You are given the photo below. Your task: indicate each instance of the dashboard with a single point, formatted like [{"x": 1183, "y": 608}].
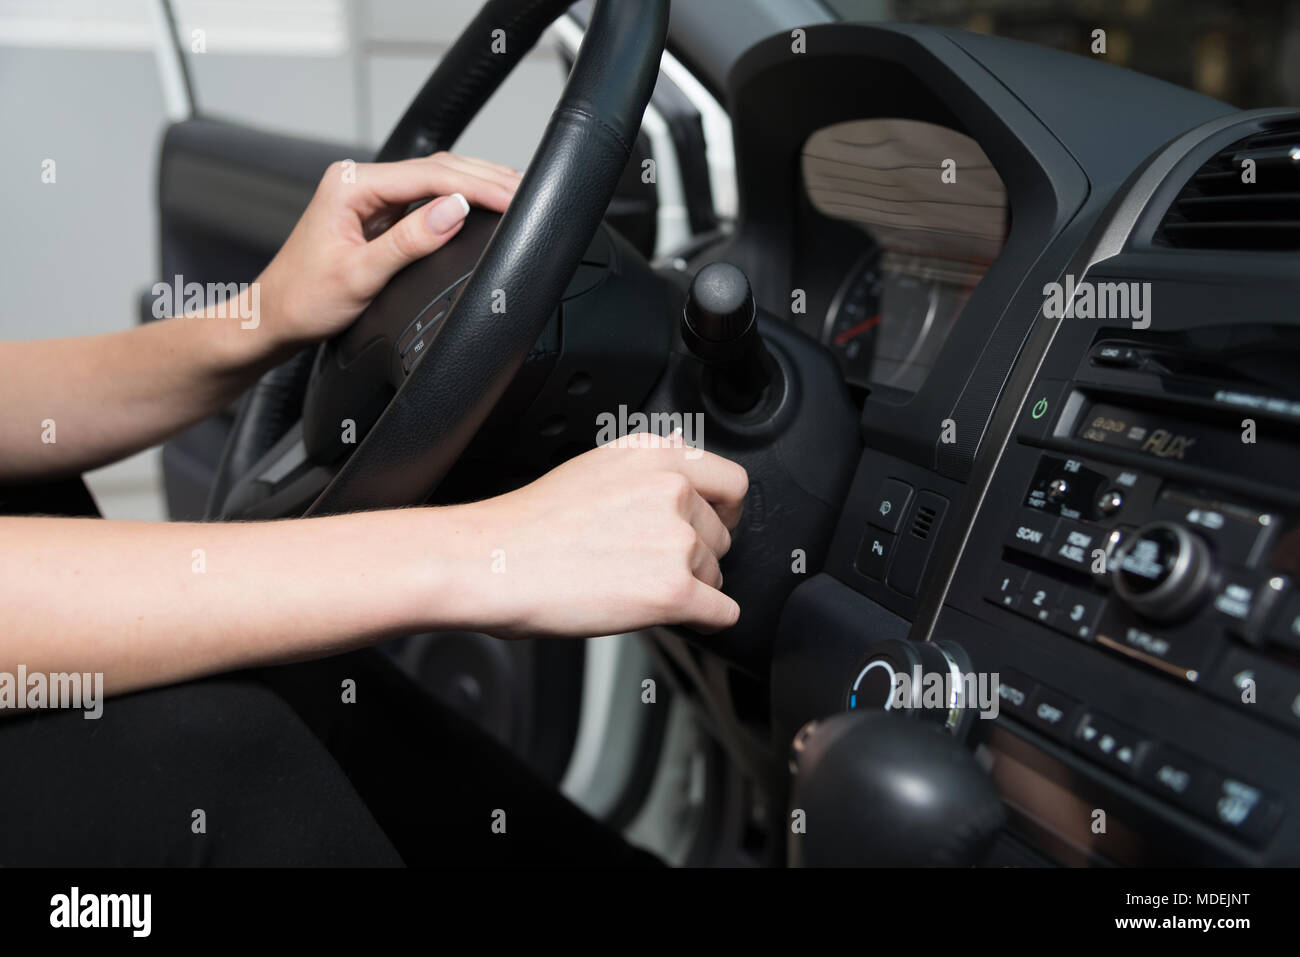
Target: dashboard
[{"x": 1075, "y": 369}]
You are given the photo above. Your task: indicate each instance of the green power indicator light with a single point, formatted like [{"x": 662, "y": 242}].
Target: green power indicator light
[{"x": 1040, "y": 409}]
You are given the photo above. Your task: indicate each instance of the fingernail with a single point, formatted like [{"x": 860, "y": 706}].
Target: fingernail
[{"x": 447, "y": 212}]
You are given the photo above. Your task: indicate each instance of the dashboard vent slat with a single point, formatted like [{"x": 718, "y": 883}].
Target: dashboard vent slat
[
  {"x": 923, "y": 523},
  {"x": 1216, "y": 209}
]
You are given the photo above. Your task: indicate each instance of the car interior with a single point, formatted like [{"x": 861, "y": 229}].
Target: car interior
[{"x": 1006, "y": 338}]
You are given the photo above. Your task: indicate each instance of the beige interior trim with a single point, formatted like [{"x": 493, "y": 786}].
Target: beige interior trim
[{"x": 886, "y": 175}]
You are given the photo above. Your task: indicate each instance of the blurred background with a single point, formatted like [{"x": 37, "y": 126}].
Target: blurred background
[{"x": 80, "y": 84}]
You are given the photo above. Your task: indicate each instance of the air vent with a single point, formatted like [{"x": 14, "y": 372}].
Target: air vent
[
  {"x": 1220, "y": 208},
  {"x": 923, "y": 522}
]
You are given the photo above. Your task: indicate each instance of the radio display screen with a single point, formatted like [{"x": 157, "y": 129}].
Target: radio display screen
[{"x": 1206, "y": 445}]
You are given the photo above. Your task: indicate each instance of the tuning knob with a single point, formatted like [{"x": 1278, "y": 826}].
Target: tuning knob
[{"x": 1163, "y": 571}]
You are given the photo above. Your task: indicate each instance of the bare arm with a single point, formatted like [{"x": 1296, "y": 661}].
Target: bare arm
[
  {"x": 74, "y": 404},
  {"x": 615, "y": 540}
]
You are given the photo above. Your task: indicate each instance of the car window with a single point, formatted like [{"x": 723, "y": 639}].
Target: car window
[{"x": 344, "y": 71}]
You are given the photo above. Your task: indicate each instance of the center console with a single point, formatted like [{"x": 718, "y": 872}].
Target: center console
[{"x": 1146, "y": 549}]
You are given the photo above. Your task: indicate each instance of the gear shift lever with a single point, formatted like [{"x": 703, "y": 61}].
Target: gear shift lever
[
  {"x": 880, "y": 791},
  {"x": 720, "y": 327}
]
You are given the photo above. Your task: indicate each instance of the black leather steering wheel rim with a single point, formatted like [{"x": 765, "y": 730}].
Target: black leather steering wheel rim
[{"x": 536, "y": 248}]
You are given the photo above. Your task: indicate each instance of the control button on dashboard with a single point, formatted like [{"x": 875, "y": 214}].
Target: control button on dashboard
[
  {"x": 1015, "y": 692},
  {"x": 1257, "y": 685},
  {"x": 1109, "y": 502},
  {"x": 1236, "y": 533},
  {"x": 1078, "y": 613},
  {"x": 1032, "y": 532},
  {"x": 1053, "y": 713},
  {"x": 1115, "y": 355},
  {"x": 1182, "y": 651},
  {"x": 1238, "y": 806},
  {"x": 1283, "y": 628},
  {"x": 1006, "y": 588},
  {"x": 1041, "y": 598},
  {"x": 889, "y": 505},
  {"x": 1238, "y": 602},
  {"x": 1223, "y": 799},
  {"x": 1173, "y": 774},
  {"x": 1110, "y": 542},
  {"x": 873, "y": 554},
  {"x": 1065, "y": 486},
  {"x": 1040, "y": 409},
  {"x": 1116, "y": 745},
  {"x": 1072, "y": 544}
]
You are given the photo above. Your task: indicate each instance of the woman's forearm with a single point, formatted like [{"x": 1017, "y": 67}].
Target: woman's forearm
[
  {"x": 153, "y": 603},
  {"x": 74, "y": 404},
  {"x": 615, "y": 540}
]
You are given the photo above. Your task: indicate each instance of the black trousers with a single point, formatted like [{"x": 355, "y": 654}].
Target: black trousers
[{"x": 273, "y": 768}]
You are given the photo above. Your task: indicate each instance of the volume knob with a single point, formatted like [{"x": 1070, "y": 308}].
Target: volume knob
[{"x": 1162, "y": 571}]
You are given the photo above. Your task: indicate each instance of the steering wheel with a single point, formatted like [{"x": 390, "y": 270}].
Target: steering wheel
[{"x": 479, "y": 320}]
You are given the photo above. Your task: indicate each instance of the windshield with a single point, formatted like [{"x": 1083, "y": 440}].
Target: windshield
[{"x": 1244, "y": 54}]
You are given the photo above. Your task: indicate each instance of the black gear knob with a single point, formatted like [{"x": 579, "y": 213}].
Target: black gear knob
[
  {"x": 720, "y": 327},
  {"x": 880, "y": 791}
]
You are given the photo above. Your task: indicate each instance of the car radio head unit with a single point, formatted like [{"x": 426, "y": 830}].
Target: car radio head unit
[{"x": 1155, "y": 526}]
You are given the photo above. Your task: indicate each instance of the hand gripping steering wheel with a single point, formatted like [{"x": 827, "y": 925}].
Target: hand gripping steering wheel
[{"x": 426, "y": 415}]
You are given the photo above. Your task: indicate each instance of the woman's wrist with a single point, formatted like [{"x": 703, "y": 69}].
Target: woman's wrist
[
  {"x": 241, "y": 335},
  {"x": 283, "y": 325},
  {"x": 460, "y": 559}
]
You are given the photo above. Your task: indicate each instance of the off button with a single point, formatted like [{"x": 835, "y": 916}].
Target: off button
[{"x": 1053, "y": 713}]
